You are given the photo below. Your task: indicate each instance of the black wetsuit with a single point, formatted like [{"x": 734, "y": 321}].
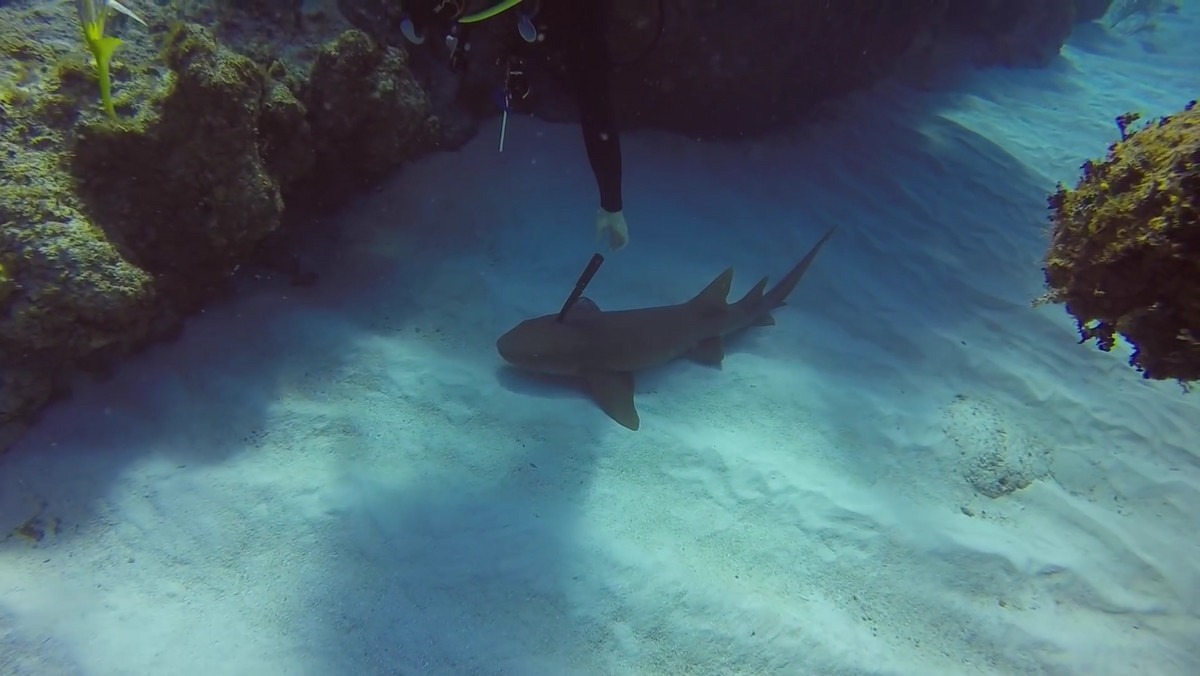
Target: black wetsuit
[
  {"x": 575, "y": 31},
  {"x": 582, "y": 23}
]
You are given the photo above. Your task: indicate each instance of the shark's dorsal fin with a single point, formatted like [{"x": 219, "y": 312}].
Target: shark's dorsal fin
[
  {"x": 714, "y": 295},
  {"x": 582, "y": 309},
  {"x": 613, "y": 391}
]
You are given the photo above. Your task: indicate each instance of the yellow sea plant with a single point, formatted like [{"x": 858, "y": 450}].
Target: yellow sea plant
[{"x": 92, "y": 15}]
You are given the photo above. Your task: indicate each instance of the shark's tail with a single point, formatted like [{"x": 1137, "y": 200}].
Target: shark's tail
[{"x": 778, "y": 294}]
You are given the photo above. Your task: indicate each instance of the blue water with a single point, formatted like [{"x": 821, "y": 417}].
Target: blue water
[{"x": 346, "y": 478}]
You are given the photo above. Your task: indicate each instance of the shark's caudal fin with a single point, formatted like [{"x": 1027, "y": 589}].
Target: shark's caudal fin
[{"x": 779, "y": 293}]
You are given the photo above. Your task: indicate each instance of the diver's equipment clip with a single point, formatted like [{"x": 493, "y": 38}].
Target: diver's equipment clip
[
  {"x": 410, "y": 32},
  {"x": 525, "y": 26},
  {"x": 529, "y": 32},
  {"x": 457, "y": 7},
  {"x": 585, "y": 278},
  {"x": 458, "y": 46},
  {"x": 516, "y": 85},
  {"x": 503, "y": 123}
]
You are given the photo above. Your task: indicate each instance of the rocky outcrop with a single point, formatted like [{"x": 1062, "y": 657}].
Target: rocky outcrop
[
  {"x": 112, "y": 231},
  {"x": 1091, "y": 10},
  {"x": 183, "y": 186},
  {"x": 711, "y": 68},
  {"x": 368, "y": 115},
  {"x": 1010, "y": 32},
  {"x": 729, "y": 69}
]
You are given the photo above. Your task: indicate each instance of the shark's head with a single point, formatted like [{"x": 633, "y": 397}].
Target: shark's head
[{"x": 544, "y": 345}]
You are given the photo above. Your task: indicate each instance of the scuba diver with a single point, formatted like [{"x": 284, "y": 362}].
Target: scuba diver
[{"x": 571, "y": 30}]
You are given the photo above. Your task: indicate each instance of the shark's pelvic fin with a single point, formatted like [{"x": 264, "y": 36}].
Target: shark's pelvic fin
[
  {"x": 715, "y": 294},
  {"x": 613, "y": 391},
  {"x": 710, "y": 351}
]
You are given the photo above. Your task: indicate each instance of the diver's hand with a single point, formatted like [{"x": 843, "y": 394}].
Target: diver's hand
[{"x": 611, "y": 224}]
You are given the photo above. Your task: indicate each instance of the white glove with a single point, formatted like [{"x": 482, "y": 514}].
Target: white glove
[{"x": 612, "y": 225}]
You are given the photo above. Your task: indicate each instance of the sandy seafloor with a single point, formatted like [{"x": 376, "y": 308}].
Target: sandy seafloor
[{"x": 343, "y": 479}]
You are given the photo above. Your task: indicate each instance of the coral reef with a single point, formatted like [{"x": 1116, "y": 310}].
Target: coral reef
[
  {"x": 1125, "y": 251},
  {"x": 112, "y": 231}
]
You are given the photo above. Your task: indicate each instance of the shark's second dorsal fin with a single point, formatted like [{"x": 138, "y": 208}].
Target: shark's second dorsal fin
[
  {"x": 715, "y": 294},
  {"x": 754, "y": 295}
]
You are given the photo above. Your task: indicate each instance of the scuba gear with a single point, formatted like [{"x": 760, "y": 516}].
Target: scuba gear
[
  {"x": 444, "y": 10},
  {"x": 458, "y": 46},
  {"x": 515, "y": 84},
  {"x": 568, "y": 40},
  {"x": 529, "y": 32},
  {"x": 490, "y": 12},
  {"x": 410, "y": 32},
  {"x": 446, "y": 13},
  {"x": 451, "y": 13}
]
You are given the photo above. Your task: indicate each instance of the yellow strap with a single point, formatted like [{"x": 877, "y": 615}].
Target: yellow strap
[{"x": 490, "y": 12}]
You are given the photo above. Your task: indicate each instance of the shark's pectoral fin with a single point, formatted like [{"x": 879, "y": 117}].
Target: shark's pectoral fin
[
  {"x": 613, "y": 391},
  {"x": 765, "y": 320},
  {"x": 710, "y": 351}
]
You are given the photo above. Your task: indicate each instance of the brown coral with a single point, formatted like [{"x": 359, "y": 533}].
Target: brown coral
[{"x": 1125, "y": 252}]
